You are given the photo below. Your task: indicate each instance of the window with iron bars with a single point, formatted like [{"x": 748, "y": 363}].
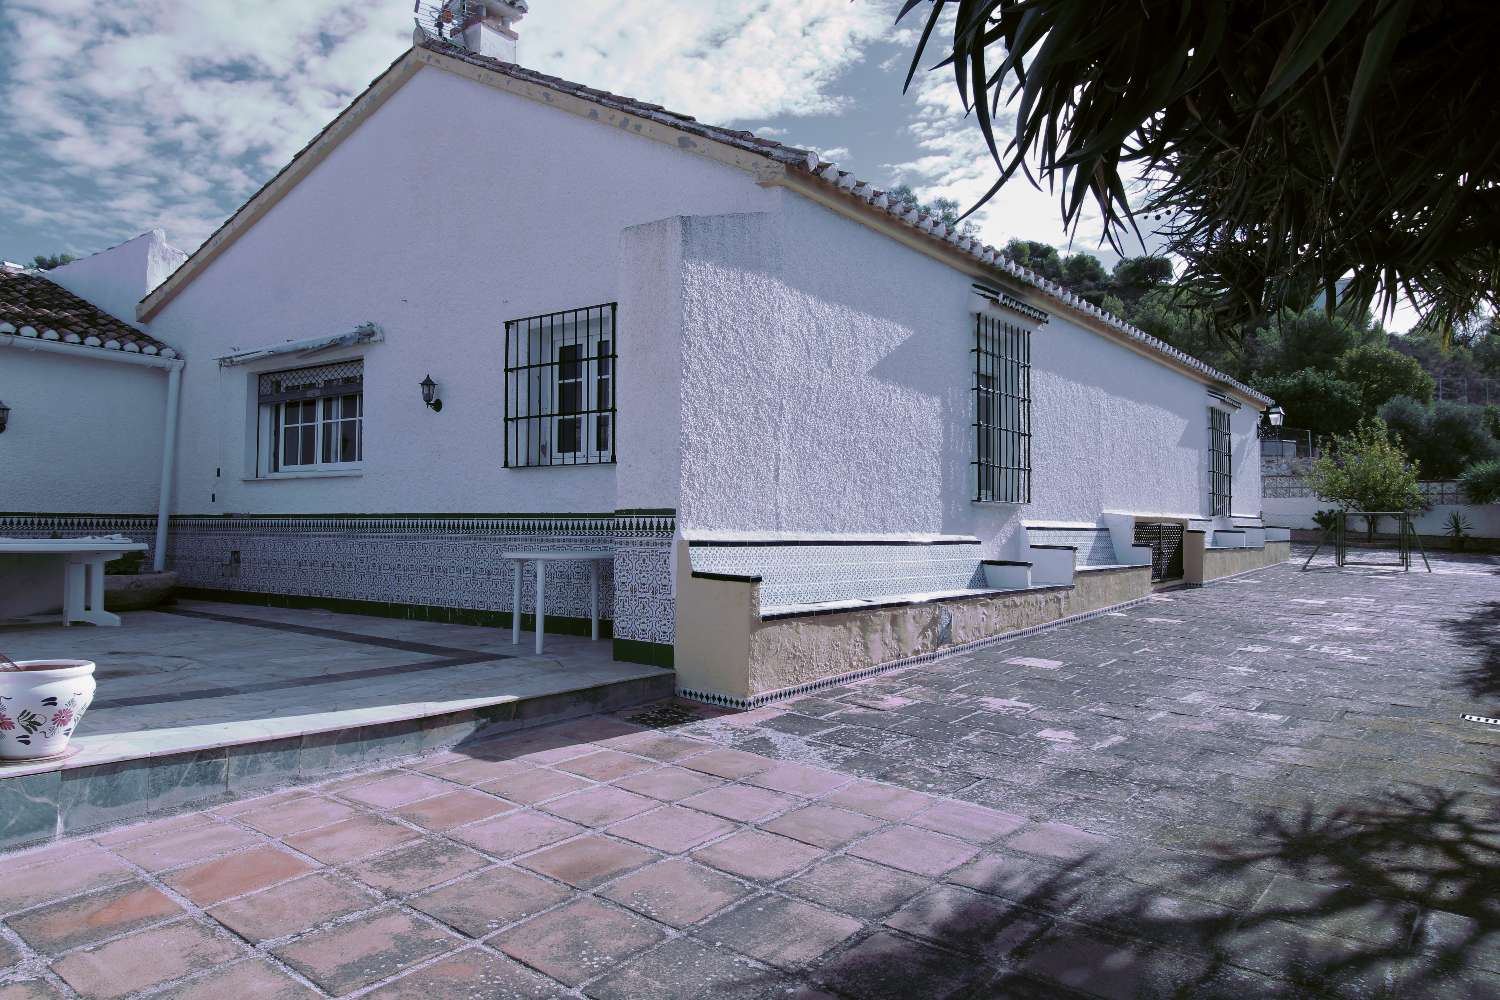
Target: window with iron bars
[
  {"x": 1002, "y": 411},
  {"x": 560, "y": 388},
  {"x": 1220, "y": 479},
  {"x": 311, "y": 418}
]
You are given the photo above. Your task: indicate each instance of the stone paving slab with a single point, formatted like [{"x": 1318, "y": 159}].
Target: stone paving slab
[{"x": 1261, "y": 788}]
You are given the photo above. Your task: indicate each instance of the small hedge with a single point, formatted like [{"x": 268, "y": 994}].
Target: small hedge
[{"x": 1480, "y": 482}]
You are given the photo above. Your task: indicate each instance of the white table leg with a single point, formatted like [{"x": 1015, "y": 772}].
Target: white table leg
[
  {"x": 594, "y": 598},
  {"x": 73, "y": 590},
  {"x": 89, "y": 581},
  {"x": 517, "y": 567},
  {"x": 541, "y": 603}
]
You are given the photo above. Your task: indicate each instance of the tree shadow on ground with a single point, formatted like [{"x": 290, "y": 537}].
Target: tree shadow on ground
[
  {"x": 1399, "y": 897},
  {"x": 1480, "y": 634}
]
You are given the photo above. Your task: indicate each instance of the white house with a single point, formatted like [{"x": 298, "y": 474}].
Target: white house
[{"x": 819, "y": 431}]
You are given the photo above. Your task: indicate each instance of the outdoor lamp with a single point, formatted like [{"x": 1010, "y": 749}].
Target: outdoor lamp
[
  {"x": 1275, "y": 415},
  {"x": 429, "y": 395},
  {"x": 4, "y": 417}
]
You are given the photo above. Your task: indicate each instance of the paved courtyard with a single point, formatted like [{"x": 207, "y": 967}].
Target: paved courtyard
[{"x": 1261, "y": 788}]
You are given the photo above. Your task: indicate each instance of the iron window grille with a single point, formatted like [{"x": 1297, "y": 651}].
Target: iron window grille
[
  {"x": 1220, "y": 479},
  {"x": 1002, "y": 411},
  {"x": 560, "y": 388},
  {"x": 312, "y": 418}
]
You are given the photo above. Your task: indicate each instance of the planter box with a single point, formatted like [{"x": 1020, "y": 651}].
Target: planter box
[{"x": 138, "y": 592}]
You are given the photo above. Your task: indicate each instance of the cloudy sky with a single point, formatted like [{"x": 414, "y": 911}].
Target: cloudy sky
[{"x": 123, "y": 116}]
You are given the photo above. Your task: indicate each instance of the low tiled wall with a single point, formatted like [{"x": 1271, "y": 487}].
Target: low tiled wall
[
  {"x": 1202, "y": 564},
  {"x": 727, "y": 654}
]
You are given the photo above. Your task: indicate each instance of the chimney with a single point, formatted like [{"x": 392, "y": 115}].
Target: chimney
[{"x": 488, "y": 27}]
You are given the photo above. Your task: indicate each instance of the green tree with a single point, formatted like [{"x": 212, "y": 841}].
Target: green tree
[
  {"x": 1443, "y": 438},
  {"x": 1366, "y": 470},
  {"x": 1481, "y": 482},
  {"x": 1310, "y": 339},
  {"x": 47, "y": 263},
  {"x": 1382, "y": 374},
  {"x": 1315, "y": 400},
  {"x": 1287, "y": 143}
]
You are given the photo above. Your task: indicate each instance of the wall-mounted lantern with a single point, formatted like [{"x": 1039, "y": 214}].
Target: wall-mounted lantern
[
  {"x": 430, "y": 396},
  {"x": 4, "y": 417},
  {"x": 1275, "y": 415}
]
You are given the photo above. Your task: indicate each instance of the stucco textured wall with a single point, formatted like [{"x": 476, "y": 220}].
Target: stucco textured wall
[
  {"x": 84, "y": 435},
  {"x": 452, "y": 209},
  {"x": 826, "y": 387},
  {"x": 117, "y": 278}
]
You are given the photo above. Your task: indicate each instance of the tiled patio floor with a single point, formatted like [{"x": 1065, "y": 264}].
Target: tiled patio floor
[{"x": 1262, "y": 788}]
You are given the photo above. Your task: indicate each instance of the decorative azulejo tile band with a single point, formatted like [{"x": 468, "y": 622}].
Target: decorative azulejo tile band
[
  {"x": 1093, "y": 544},
  {"x": 812, "y": 573},
  {"x": 455, "y": 562},
  {"x": 136, "y": 527}
]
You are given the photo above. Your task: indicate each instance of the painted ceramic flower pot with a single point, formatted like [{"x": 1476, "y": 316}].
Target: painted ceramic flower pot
[{"x": 40, "y": 706}]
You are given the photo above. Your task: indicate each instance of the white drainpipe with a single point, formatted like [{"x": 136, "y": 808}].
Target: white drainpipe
[
  {"x": 168, "y": 456},
  {"x": 173, "y": 366}
]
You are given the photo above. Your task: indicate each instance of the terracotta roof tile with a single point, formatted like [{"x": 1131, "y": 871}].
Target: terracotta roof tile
[{"x": 32, "y": 306}]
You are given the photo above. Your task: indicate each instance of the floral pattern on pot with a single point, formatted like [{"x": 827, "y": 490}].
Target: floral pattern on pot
[
  {"x": 41, "y": 705},
  {"x": 28, "y": 724}
]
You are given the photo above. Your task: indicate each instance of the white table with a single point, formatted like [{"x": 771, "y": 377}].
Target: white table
[
  {"x": 592, "y": 556},
  {"x": 83, "y": 573}
]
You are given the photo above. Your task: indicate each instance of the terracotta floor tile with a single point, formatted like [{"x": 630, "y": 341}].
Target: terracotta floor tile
[
  {"x": 669, "y": 783},
  {"x": 676, "y": 892},
  {"x": 185, "y": 846},
  {"x": 600, "y": 805},
  {"x": 210, "y": 882},
  {"x": 975, "y": 824},
  {"x": 444, "y": 812},
  {"x": 476, "y": 771},
  {"x": 856, "y": 887},
  {"x": 1057, "y": 840},
  {"x": 31, "y": 989},
  {"x": 87, "y": 868},
  {"x": 884, "y": 801},
  {"x": 664, "y": 972},
  {"x": 419, "y": 866},
  {"x": 154, "y": 828},
  {"x": 657, "y": 745},
  {"x": 731, "y": 764},
  {"x": 887, "y": 967},
  {"x": 364, "y": 951},
  {"x": 515, "y": 833},
  {"x": 482, "y": 904},
  {"x": 350, "y": 839},
  {"x": 239, "y": 806},
  {"x": 756, "y": 855},
  {"x": 782, "y": 932},
  {"x": 84, "y": 920},
  {"x": 533, "y": 785},
  {"x": 252, "y": 980},
  {"x": 147, "y": 958},
  {"x": 291, "y": 907},
  {"x": 672, "y": 829},
  {"x": 471, "y": 973},
  {"x": 578, "y": 941},
  {"x": 799, "y": 779},
  {"x": 536, "y": 748},
  {"x": 741, "y": 803},
  {"x": 397, "y": 790},
  {"x": 587, "y": 861},
  {"x": 967, "y": 921},
  {"x": 306, "y": 813},
  {"x": 823, "y": 826},
  {"x": 606, "y": 765},
  {"x": 914, "y": 850},
  {"x": 355, "y": 780}
]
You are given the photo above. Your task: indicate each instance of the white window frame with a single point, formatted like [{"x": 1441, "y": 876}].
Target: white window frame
[
  {"x": 270, "y": 439},
  {"x": 595, "y": 371}
]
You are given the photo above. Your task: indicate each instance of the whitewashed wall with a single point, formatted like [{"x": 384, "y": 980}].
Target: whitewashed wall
[
  {"x": 826, "y": 387},
  {"x": 452, "y": 209},
  {"x": 1297, "y": 512},
  {"x": 117, "y": 278},
  {"x": 84, "y": 435}
]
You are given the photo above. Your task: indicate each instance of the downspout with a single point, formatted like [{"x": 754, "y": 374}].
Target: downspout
[{"x": 168, "y": 458}]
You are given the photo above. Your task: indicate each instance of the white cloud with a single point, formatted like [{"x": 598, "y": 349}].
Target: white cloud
[{"x": 137, "y": 113}]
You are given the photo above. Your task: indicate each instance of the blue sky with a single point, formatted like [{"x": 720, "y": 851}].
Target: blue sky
[{"x": 123, "y": 116}]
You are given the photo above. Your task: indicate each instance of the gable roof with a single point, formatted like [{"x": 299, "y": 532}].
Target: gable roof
[
  {"x": 32, "y": 306},
  {"x": 770, "y": 161}
]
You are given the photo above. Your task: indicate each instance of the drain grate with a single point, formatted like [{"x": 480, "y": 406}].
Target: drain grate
[{"x": 1482, "y": 718}]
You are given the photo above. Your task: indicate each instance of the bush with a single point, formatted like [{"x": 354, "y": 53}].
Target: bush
[
  {"x": 1444, "y": 438},
  {"x": 1480, "y": 482}
]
